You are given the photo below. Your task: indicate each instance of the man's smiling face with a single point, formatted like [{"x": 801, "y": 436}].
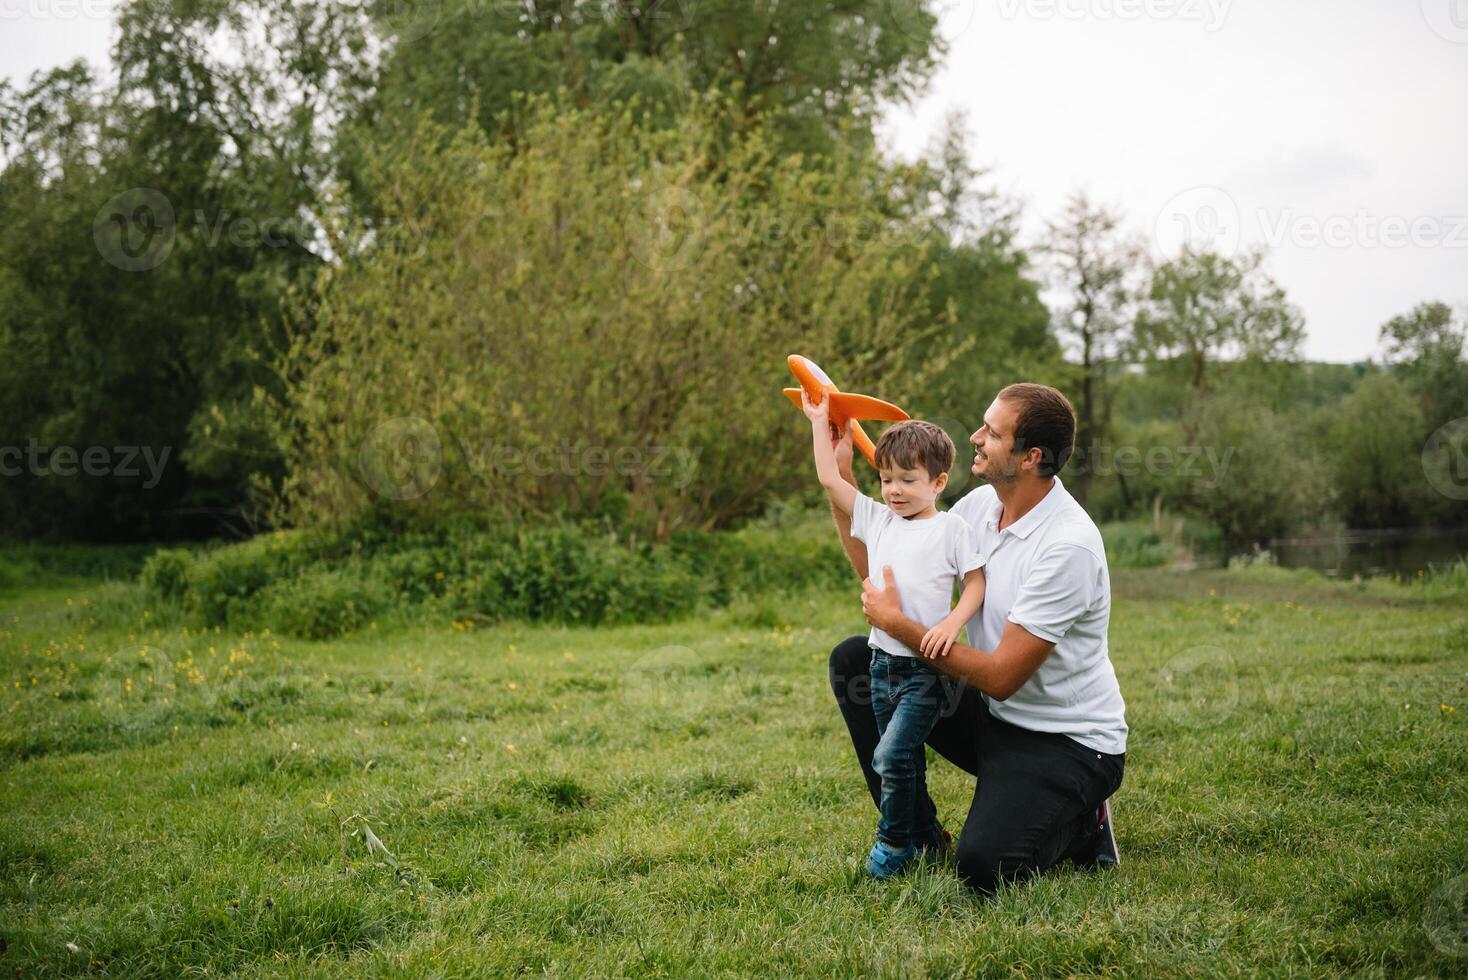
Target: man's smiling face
[{"x": 993, "y": 442}]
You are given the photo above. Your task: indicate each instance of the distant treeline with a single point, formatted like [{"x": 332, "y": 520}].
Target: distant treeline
[{"x": 300, "y": 261}]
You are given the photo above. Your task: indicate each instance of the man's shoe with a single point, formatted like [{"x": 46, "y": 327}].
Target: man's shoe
[
  {"x": 885, "y": 861},
  {"x": 936, "y": 847},
  {"x": 1107, "y": 854}
]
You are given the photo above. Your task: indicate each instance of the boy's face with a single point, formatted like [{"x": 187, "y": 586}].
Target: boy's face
[{"x": 910, "y": 491}]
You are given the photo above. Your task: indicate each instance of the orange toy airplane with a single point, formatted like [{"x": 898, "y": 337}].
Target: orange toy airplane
[{"x": 844, "y": 406}]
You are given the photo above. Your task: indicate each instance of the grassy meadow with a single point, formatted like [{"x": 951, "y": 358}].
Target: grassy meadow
[{"x": 681, "y": 799}]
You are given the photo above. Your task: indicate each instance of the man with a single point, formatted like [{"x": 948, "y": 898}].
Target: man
[{"x": 1036, "y": 713}]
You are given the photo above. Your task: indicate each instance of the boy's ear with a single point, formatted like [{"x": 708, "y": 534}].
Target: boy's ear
[{"x": 941, "y": 482}]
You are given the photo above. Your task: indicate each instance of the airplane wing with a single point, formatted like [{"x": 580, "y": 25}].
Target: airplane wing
[{"x": 862, "y": 407}]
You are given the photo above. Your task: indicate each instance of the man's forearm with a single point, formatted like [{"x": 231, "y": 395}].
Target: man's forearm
[
  {"x": 963, "y": 661},
  {"x": 998, "y": 674}
]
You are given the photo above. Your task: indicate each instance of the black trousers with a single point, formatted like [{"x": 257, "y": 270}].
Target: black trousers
[{"x": 1037, "y": 792}]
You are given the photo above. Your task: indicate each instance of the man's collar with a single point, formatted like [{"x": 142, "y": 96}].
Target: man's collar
[{"x": 1037, "y": 514}]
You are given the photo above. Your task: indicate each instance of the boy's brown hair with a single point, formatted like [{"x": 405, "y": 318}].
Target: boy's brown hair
[{"x": 913, "y": 444}]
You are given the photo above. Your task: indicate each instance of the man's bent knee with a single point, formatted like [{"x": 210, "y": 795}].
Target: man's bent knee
[
  {"x": 850, "y": 670},
  {"x": 983, "y": 869}
]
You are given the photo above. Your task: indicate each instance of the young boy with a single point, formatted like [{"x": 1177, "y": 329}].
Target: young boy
[{"x": 927, "y": 550}]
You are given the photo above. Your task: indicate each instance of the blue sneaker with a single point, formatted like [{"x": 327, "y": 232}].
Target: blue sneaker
[{"x": 885, "y": 861}]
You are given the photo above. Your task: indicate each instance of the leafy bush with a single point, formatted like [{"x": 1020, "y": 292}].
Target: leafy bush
[
  {"x": 332, "y": 579},
  {"x": 166, "y": 574},
  {"x": 229, "y": 577},
  {"x": 24, "y": 566},
  {"x": 1134, "y": 546},
  {"x": 564, "y": 574},
  {"x": 1273, "y": 481},
  {"x": 316, "y": 605}
]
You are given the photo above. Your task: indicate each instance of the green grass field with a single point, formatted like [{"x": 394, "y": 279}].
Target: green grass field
[{"x": 682, "y": 800}]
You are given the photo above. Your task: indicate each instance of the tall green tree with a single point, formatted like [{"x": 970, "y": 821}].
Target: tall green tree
[
  {"x": 1376, "y": 467},
  {"x": 1203, "y": 310},
  {"x": 805, "y": 65},
  {"x": 592, "y": 322},
  {"x": 1094, "y": 265},
  {"x": 1426, "y": 348},
  {"x": 155, "y": 231}
]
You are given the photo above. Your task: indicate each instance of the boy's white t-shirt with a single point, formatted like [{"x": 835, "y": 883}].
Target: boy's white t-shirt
[{"x": 926, "y": 556}]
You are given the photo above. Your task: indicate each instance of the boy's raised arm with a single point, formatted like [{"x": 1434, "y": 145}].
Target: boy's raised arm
[
  {"x": 856, "y": 551},
  {"x": 842, "y": 494}
]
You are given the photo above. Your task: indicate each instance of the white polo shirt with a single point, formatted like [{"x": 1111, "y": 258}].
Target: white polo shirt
[{"x": 1047, "y": 573}]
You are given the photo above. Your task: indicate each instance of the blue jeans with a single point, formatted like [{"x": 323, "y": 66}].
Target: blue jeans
[{"x": 908, "y": 697}]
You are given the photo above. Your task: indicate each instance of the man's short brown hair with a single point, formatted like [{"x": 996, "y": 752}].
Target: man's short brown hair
[
  {"x": 1046, "y": 421},
  {"x": 916, "y": 444}
]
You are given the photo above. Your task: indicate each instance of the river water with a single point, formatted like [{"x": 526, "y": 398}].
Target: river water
[{"x": 1368, "y": 553}]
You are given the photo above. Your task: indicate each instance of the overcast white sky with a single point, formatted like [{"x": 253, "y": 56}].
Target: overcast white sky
[{"x": 1336, "y": 131}]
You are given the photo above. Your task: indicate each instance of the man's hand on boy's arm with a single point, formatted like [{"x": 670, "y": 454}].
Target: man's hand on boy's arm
[{"x": 998, "y": 673}]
